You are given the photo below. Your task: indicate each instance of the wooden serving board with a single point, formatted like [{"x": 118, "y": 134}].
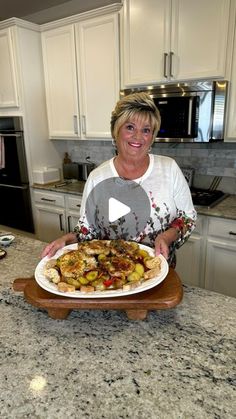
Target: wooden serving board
[{"x": 167, "y": 294}]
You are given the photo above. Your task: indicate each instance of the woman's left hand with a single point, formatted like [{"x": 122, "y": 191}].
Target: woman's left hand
[{"x": 164, "y": 240}]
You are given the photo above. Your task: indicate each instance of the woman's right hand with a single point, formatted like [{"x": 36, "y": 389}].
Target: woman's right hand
[{"x": 57, "y": 244}]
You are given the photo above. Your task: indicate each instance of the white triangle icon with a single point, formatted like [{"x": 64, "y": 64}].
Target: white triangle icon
[{"x": 116, "y": 209}]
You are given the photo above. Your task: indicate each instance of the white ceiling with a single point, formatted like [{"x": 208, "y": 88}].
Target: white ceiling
[{"x": 35, "y": 10}]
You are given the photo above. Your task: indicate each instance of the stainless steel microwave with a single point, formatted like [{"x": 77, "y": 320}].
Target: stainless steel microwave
[{"x": 190, "y": 112}]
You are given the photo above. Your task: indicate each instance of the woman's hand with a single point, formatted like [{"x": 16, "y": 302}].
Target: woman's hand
[
  {"x": 164, "y": 240},
  {"x": 54, "y": 246}
]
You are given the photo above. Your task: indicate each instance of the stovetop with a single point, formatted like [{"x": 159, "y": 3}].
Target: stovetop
[{"x": 207, "y": 198}]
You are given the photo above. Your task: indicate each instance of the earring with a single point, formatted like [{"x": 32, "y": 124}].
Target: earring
[{"x": 113, "y": 142}]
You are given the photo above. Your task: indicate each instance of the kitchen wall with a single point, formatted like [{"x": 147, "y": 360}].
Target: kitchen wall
[{"x": 208, "y": 160}]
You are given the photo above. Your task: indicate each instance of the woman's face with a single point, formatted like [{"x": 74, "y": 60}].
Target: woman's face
[{"x": 134, "y": 137}]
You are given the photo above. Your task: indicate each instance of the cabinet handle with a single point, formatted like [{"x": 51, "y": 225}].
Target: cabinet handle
[
  {"x": 165, "y": 64},
  {"x": 78, "y": 205},
  {"x": 68, "y": 221},
  {"x": 60, "y": 219},
  {"x": 84, "y": 124},
  {"x": 232, "y": 233},
  {"x": 170, "y": 68},
  {"x": 75, "y": 120},
  {"x": 48, "y": 200}
]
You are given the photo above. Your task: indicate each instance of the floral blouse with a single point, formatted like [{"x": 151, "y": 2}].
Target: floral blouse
[{"x": 170, "y": 202}]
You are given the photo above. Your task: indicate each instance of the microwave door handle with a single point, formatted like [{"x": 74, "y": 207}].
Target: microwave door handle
[{"x": 190, "y": 113}]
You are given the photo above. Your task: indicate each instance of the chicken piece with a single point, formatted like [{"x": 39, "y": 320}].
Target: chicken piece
[
  {"x": 75, "y": 263},
  {"x": 120, "y": 266},
  {"x": 95, "y": 247},
  {"x": 121, "y": 247}
]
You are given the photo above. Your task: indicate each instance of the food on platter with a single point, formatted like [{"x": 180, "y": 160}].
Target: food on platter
[{"x": 100, "y": 265}]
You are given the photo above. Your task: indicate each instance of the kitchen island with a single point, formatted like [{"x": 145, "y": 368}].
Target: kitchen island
[{"x": 178, "y": 363}]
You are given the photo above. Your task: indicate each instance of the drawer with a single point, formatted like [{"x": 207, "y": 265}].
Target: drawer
[
  {"x": 49, "y": 198},
  {"x": 74, "y": 202},
  {"x": 222, "y": 228}
]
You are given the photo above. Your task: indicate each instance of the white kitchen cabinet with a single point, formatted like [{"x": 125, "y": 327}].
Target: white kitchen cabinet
[
  {"x": 22, "y": 90},
  {"x": 190, "y": 256},
  {"x": 8, "y": 74},
  {"x": 208, "y": 259},
  {"x": 61, "y": 82},
  {"x": 81, "y": 64},
  {"x": 73, "y": 204},
  {"x": 220, "y": 272},
  {"x": 231, "y": 108},
  {"x": 168, "y": 40},
  {"x": 55, "y": 214},
  {"x": 98, "y": 61}
]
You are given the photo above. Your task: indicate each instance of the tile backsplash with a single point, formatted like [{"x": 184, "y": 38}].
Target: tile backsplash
[{"x": 207, "y": 160}]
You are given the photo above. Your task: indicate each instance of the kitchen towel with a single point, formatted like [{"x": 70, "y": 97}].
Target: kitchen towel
[{"x": 2, "y": 153}]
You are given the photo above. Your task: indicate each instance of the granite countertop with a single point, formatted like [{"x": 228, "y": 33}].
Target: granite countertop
[
  {"x": 70, "y": 187},
  {"x": 178, "y": 363},
  {"x": 225, "y": 209}
]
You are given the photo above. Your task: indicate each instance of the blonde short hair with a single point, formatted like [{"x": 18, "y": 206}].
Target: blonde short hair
[{"x": 135, "y": 104}]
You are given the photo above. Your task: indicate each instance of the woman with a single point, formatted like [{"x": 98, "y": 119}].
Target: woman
[{"x": 135, "y": 122}]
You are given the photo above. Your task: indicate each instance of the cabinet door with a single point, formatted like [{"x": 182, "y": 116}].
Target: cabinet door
[
  {"x": 50, "y": 223},
  {"x": 174, "y": 40},
  {"x": 199, "y": 38},
  {"x": 73, "y": 204},
  {"x": 8, "y": 78},
  {"x": 98, "y": 60},
  {"x": 189, "y": 261},
  {"x": 221, "y": 267},
  {"x": 61, "y": 82},
  {"x": 191, "y": 256},
  {"x": 145, "y": 41},
  {"x": 231, "y": 108}
]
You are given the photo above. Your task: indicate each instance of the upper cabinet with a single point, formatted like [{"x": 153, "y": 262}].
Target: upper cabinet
[
  {"x": 81, "y": 64},
  {"x": 61, "y": 82},
  {"x": 231, "y": 120},
  {"x": 171, "y": 40},
  {"x": 98, "y": 62},
  {"x": 8, "y": 74}
]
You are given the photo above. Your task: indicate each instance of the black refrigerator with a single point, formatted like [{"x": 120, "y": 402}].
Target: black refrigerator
[{"x": 15, "y": 202}]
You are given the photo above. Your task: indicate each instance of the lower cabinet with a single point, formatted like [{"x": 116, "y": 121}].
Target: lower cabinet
[
  {"x": 55, "y": 214},
  {"x": 190, "y": 256},
  {"x": 220, "y": 270},
  {"x": 208, "y": 258}
]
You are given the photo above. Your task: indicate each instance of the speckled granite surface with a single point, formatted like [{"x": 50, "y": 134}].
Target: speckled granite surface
[
  {"x": 75, "y": 187},
  {"x": 176, "y": 364}
]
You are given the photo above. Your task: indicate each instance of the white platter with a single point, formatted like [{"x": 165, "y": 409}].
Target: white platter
[{"x": 50, "y": 287}]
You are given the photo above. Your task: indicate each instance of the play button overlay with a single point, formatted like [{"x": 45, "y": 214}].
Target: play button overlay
[{"x": 118, "y": 208}]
